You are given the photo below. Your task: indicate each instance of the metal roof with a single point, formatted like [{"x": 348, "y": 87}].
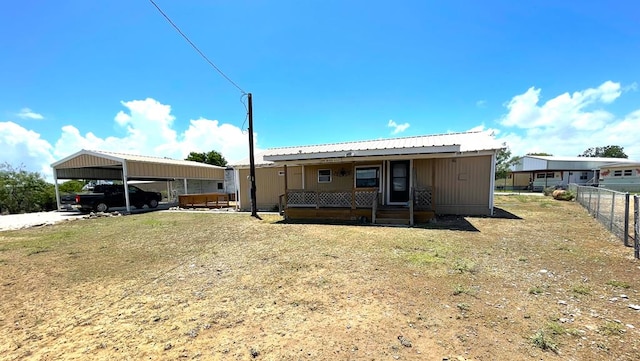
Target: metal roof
[
  {"x": 95, "y": 164},
  {"x": 121, "y": 157},
  {"x": 530, "y": 163},
  {"x": 428, "y": 144}
]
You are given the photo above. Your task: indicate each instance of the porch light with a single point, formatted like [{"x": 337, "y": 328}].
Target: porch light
[{"x": 343, "y": 172}]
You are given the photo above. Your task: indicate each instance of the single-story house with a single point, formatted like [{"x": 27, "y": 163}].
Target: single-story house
[
  {"x": 551, "y": 171},
  {"x": 623, "y": 177},
  {"x": 412, "y": 178}
]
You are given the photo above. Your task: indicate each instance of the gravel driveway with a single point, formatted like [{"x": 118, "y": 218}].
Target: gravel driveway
[{"x": 19, "y": 221}]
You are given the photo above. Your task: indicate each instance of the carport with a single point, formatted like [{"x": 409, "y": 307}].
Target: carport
[{"x": 102, "y": 165}]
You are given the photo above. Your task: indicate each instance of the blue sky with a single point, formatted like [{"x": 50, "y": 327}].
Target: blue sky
[{"x": 544, "y": 76}]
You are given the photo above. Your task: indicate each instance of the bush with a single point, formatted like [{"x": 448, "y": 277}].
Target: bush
[
  {"x": 24, "y": 192},
  {"x": 563, "y": 195}
]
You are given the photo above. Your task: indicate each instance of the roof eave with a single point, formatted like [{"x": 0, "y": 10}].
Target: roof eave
[{"x": 362, "y": 153}]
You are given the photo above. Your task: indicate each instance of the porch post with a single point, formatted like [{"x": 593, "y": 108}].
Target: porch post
[
  {"x": 286, "y": 186},
  {"x": 353, "y": 198}
]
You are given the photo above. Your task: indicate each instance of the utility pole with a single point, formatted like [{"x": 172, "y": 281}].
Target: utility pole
[{"x": 252, "y": 163}]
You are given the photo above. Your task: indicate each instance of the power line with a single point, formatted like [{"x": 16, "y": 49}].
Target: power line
[{"x": 196, "y": 48}]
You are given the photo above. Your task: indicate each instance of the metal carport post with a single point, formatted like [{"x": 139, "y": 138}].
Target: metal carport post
[{"x": 126, "y": 185}]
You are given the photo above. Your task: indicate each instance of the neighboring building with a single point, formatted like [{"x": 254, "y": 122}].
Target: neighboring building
[
  {"x": 514, "y": 182},
  {"x": 551, "y": 171},
  {"x": 409, "y": 178},
  {"x": 620, "y": 177}
]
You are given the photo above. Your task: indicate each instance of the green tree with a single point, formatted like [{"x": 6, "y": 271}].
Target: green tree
[
  {"x": 609, "y": 151},
  {"x": 71, "y": 186},
  {"x": 22, "y": 191},
  {"x": 541, "y": 154},
  {"x": 212, "y": 157},
  {"x": 503, "y": 163}
]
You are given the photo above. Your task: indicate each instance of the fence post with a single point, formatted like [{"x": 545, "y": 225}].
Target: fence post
[
  {"x": 613, "y": 209},
  {"x": 597, "y": 215},
  {"x": 636, "y": 227},
  {"x": 626, "y": 219},
  {"x": 589, "y": 208}
]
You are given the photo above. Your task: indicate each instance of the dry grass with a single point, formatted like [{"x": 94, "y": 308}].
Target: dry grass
[{"x": 225, "y": 286}]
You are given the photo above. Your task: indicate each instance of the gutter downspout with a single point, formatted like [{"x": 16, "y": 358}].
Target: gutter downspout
[{"x": 492, "y": 183}]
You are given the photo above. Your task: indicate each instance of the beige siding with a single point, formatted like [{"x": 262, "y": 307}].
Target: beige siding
[
  {"x": 462, "y": 185},
  {"x": 423, "y": 170},
  {"x": 341, "y": 177},
  {"x": 86, "y": 160},
  {"x": 269, "y": 186},
  {"x": 76, "y": 167},
  {"x": 156, "y": 170}
]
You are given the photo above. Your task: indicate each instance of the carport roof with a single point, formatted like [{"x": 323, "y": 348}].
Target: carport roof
[{"x": 95, "y": 164}]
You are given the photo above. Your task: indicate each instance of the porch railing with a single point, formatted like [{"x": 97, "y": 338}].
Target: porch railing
[
  {"x": 355, "y": 198},
  {"x": 421, "y": 199}
]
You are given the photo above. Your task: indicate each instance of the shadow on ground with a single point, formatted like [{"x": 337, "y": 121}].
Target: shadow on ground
[
  {"x": 501, "y": 213},
  {"x": 454, "y": 223}
]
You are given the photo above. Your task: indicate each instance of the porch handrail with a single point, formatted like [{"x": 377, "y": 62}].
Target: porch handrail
[
  {"x": 411, "y": 205},
  {"x": 374, "y": 208}
]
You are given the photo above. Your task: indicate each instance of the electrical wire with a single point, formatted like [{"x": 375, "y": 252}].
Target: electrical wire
[{"x": 196, "y": 48}]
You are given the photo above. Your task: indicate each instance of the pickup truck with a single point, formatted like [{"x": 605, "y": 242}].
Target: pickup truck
[{"x": 105, "y": 196}]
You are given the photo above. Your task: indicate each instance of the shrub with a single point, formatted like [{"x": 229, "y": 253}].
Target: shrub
[{"x": 548, "y": 191}]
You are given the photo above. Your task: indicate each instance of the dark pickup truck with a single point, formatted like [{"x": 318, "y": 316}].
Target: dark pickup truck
[{"x": 105, "y": 196}]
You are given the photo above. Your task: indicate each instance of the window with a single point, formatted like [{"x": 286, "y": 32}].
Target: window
[
  {"x": 220, "y": 186},
  {"x": 551, "y": 175},
  {"x": 540, "y": 175},
  {"x": 584, "y": 176},
  {"x": 628, "y": 172},
  {"x": 367, "y": 177},
  {"x": 617, "y": 173},
  {"x": 324, "y": 175}
]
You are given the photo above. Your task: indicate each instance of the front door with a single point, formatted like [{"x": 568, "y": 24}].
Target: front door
[{"x": 399, "y": 182}]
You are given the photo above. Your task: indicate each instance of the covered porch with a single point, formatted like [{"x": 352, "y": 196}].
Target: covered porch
[{"x": 363, "y": 205}]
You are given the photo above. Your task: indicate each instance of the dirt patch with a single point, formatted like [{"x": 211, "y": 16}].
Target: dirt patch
[{"x": 543, "y": 281}]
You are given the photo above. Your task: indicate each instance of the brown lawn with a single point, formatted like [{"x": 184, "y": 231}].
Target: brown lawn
[{"x": 544, "y": 282}]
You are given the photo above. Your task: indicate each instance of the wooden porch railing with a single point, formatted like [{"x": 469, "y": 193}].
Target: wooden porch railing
[
  {"x": 355, "y": 198},
  {"x": 422, "y": 199}
]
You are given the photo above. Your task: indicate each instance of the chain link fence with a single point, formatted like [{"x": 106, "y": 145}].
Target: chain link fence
[{"x": 613, "y": 209}]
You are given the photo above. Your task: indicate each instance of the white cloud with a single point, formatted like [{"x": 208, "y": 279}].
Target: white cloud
[
  {"x": 148, "y": 130},
  {"x": 568, "y": 124},
  {"x": 481, "y": 104},
  {"x": 26, "y": 113},
  {"x": 397, "y": 128},
  {"x": 23, "y": 147}
]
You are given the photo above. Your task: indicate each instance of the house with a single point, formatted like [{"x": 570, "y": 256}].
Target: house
[
  {"x": 403, "y": 179},
  {"x": 623, "y": 177},
  {"x": 552, "y": 171}
]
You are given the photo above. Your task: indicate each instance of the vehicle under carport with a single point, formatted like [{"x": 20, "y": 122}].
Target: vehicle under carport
[{"x": 103, "y": 165}]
